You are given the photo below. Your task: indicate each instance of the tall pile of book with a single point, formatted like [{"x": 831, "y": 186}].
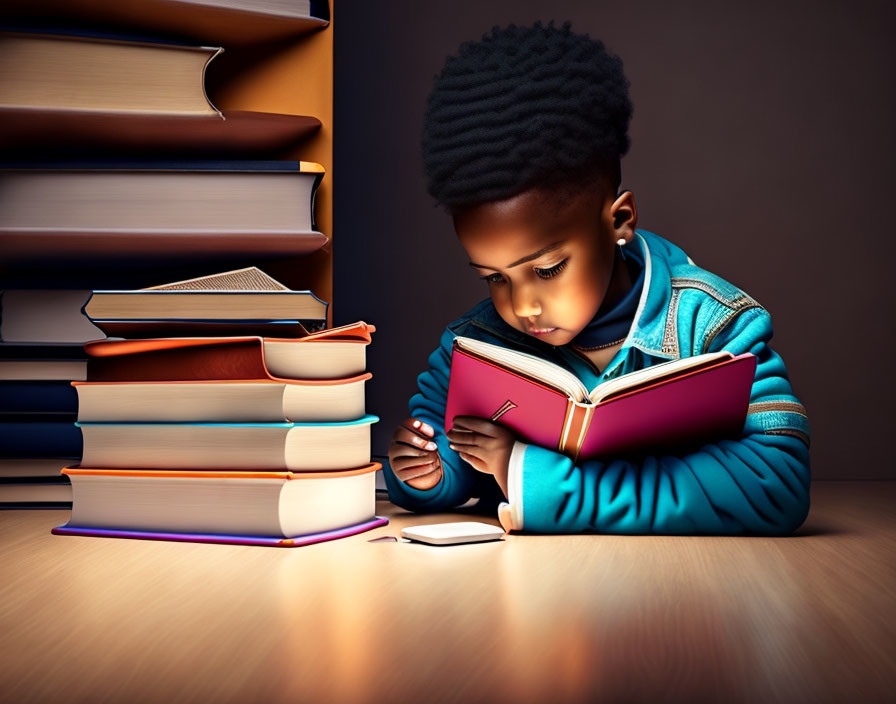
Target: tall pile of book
[
  {"x": 118, "y": 164},
  {"x": 226, "y": 434},
  {"x": 37, "y": 412}
]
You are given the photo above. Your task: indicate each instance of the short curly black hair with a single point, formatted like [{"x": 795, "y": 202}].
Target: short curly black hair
[{"x": 524, "y": 107}]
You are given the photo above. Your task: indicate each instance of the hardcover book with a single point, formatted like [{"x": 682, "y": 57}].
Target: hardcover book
[
  {"x": 39, "y": 435},
  {"x": 244, "y": 507},
  {"x": 42, "y": 362},
  {"x": 38, "y": 396},
  {"x": 675, "y": 403},
  {"x": 334, "y": 353},
  {"x": 271, "y": 447},
  {"x": 240, "y": 302},
  {"x": 100, "y": 73},
  {"x": 35, "y": 482},
  {"x": 229, "y": 22},
  {"x": 48, "y": 492},
  {"x": 116, "y": 209},
  {"x": 45, "y": 315},
  {"x": 235, "y": 401}
]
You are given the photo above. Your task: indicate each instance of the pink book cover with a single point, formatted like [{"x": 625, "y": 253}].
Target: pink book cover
[{"x": 702, "y": 404}]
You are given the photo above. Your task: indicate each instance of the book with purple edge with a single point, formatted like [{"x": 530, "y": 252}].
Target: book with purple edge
[{"x": 298, "y": 541}]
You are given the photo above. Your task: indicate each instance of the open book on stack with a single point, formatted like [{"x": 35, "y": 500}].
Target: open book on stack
[
  {"x": 241, "y": 438},
  {"x": 241, "y": 302},
  {"x": 675, "y": 403}
]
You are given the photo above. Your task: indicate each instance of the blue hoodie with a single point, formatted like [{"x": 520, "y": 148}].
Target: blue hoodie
[{"x": 757, "y": 484}]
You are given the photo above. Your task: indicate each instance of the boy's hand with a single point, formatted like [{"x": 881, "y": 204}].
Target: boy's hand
[
  {"x": 486, "y": 446},
  {"x": 413, "y": 455}
]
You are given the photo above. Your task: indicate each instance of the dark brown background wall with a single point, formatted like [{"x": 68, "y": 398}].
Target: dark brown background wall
[{"x": 762, "y": 142}]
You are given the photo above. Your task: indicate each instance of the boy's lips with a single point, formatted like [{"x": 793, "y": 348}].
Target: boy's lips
[{"x": 540, "y": 331}]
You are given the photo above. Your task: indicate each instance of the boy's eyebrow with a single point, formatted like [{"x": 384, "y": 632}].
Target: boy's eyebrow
[{"x": 523, "y": 260}]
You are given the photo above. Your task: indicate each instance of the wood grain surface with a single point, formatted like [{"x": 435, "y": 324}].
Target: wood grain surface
[{"x": 530, "y": 619}]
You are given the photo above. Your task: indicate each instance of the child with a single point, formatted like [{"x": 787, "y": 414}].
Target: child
[{"x": 522, "y": 139}]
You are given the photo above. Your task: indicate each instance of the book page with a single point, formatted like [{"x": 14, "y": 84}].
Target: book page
[
  {"x": 651, "y": 375},
  {"x": 249, "y": 279},
  {"x": 529, "y": 365}
]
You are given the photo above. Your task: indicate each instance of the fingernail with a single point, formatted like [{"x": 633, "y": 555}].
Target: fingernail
[{"x": 431, "y": 446}]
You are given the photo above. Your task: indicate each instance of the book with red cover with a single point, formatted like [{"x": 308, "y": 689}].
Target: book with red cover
[
  {"x": 675, "y": 403},
  {"x": 335, "y": 353}
]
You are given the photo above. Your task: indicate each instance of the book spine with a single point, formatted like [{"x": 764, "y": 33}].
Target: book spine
[{"x": 575, "y": 428}]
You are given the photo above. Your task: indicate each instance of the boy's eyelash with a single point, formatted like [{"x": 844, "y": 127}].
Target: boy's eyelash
[
  {"x": 552, "y": 271},
  {"x": 540, "y": 273}
]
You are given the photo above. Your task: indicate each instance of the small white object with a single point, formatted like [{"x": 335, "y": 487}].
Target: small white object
[
  {"x": 453, "y": 533},
  {"x": 621, "y": 242}
]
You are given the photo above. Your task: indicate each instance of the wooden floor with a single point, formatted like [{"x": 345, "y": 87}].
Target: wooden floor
[{"x": 811, "y": 618}]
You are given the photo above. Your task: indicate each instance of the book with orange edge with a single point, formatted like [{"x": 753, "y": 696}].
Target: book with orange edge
[
  {"x": 284, "y": 509},
  {"x": 334, "y": 353}
]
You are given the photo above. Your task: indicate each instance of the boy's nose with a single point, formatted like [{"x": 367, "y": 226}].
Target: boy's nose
[{"x": 524, "y": 303}]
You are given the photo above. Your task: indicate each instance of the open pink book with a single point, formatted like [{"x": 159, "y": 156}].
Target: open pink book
[{"x": 684, "y": 401}]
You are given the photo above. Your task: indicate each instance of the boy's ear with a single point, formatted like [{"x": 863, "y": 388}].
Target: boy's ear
[{"x": 624, "y": 215}]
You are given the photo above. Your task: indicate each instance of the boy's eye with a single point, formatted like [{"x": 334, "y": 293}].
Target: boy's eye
[
  {"x": 551, "y": 271},
  {"x": 492, "y": 278}
]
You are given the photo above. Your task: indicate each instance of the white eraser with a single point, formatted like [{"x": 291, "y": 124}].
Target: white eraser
[{"x": 453, "y": 533}]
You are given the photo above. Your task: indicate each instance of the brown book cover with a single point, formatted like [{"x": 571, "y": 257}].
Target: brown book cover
[{"x": 210, "y": 358}]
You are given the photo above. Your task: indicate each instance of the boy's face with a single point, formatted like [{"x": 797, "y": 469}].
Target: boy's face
[{"x": 548, "y": 260}]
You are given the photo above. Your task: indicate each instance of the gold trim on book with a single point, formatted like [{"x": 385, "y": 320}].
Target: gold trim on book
[{"x": 508, "y": 405}]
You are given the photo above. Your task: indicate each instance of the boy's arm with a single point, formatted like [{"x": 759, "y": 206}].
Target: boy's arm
[
  {"x": 458, "y": 478},
  {"x": 757, "y": 484}
]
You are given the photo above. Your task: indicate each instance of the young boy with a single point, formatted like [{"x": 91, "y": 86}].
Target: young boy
[{"x": 522, "y": 139}]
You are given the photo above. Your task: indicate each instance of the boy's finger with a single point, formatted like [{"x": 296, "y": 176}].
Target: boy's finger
[
  {"x": 462, "y": 449},
  {"x": 460, "y": 435},
  {"x": 412, "y": 453},
  {"x": 404, "y": 463},
  {"x": 480, "y": 425},
  {"x": 416, "y": 425},
  {"x": 473, "y": 461},
  {"x": 406, "y": 437},
  {"x": 415, "y": 472}
]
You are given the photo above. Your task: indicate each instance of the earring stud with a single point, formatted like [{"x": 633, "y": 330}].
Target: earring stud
[{"x": 621, "y": 242}]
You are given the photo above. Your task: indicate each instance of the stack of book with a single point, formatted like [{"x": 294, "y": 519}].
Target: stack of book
[
  {"x": 41, "y": 337},
  {"x": 227, "y": 435},
  {"x": 118, "y": 164},
  {"x": 37, "y": 412}
]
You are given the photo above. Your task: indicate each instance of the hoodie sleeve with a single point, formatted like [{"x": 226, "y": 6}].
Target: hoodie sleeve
[
  {"x": 459, "y": 480},
  {"x": 757, "y": 484}
]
